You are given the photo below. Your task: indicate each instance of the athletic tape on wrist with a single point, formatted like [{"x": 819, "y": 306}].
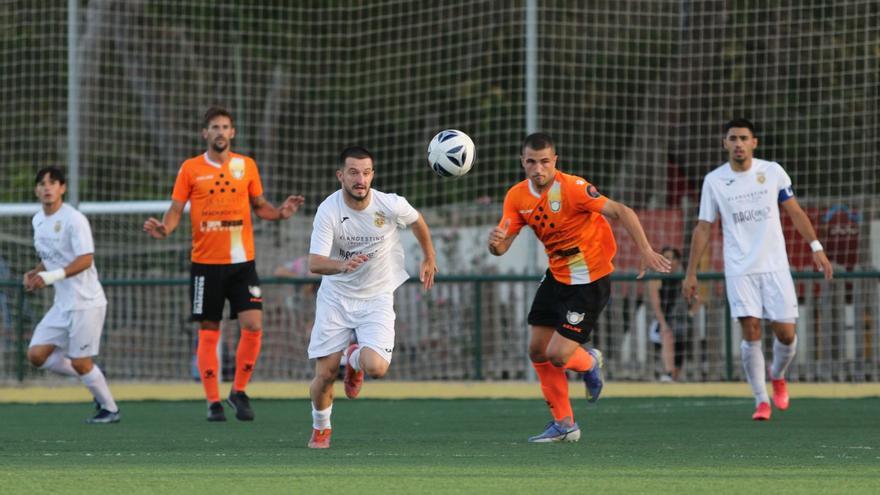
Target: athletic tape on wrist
[
  {"x": 51, "y": 277},
  {"x": 816, "y": 246}
]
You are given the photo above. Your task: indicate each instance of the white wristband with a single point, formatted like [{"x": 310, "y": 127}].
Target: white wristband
[
  {"x": 51, "y": 277},
  {"x": 816, "y": 246}
]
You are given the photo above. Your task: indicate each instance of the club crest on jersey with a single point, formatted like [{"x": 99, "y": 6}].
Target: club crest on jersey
[
  {"x": 255, "y": 290},
  {"x": 761, "y": 177},
  {"x": 379, "y": 219},
  {"x": 554, "y": 197},
  {"x": 58, "y": 226},
  {"x": 574, "y": 318},
  {"x": 236, "y": 167}
]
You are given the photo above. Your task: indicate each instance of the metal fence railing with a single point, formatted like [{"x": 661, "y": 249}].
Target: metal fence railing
[{"x": 466, "y": 328}]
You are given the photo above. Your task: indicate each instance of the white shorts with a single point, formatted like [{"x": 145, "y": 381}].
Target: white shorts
[
  {"x": 76, "y": 331},
  {"x": 337, "y": 320},
  {"x": 770, "y": 296}
]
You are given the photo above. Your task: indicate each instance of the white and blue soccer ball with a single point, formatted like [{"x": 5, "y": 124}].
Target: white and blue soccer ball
[{"x": 451, "y": 153}]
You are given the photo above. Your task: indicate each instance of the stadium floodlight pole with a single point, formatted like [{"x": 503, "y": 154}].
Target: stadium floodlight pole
[{"x": 72, "y": 104}]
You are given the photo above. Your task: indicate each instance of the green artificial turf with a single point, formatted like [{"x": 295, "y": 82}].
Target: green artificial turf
[{"x": 636, "y": 445}]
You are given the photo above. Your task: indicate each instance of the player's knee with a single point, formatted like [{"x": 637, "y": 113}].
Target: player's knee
[
  {"x": 537, "y": 355},
  {"x": 36, "y": 357},
  {"x": 81, "y": 366},
  {"x": 326, "y": 375},
  {"x": 376, "y": 371}
]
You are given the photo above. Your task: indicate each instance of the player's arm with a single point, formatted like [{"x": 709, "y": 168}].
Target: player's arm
[
  {"x": 699, "y": 242},
  {"x": 162, "y": 229},
  {"x": 429, "y": 262},
  {"x": 499, "y": 239},
  {"x": 630, "y": 221},
  {"x": 265, "y": 210},
  {"x": 324, "y": 265},
  {"x": 39, "y": 278},
  {"x": 803, "y": 225}
]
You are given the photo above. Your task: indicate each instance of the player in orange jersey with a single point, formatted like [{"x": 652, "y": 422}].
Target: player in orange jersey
[
  {"x": 222, "y": 188},
  {"x": 567, "y": 214}
]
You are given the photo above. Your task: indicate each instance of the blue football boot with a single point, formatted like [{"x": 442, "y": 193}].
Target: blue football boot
[
  {"x": 558, "y": 431},
  {"x": 593, "y": 377}
]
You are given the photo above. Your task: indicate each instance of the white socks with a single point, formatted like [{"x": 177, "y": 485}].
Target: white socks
[
  {"x": 354, "y": 359},
  {"x": 783, "y": 355},
  {"x": 96, "y": 383},
  {"x": 321, "y": 419},
  {"x": 59, "y": 363},
  {"x": 753, "y": 364}
]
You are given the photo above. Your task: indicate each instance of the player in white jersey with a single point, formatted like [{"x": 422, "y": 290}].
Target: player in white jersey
[
  {"x": 745, "y": 194},
  {"x": 356, "y": 248},
  {"x": 69, "y": 336}
]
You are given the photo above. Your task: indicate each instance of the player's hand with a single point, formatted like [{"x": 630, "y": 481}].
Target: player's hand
[
  {"x": 499, "y": 234},
  {"x": 655, "y": 261},
  {"x": 155, "y": 228},
  {"x": 290, "y": 206},
  {"x": 427, "y": 272},
  {"x": 353, "y": 263},
  {"x": 689, "y": 288},
  {"x": 822, "y": 263},
  {"x": 26, "y": 280},
  {"x": 32, "y": 281}
]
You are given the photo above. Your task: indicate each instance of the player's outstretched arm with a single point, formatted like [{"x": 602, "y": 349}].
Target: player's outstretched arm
[
  {"x": 324, "y": 265},
  {"x": 626, "y": 216},
  {"x": 803, "y": 225},
  {"x": 265, "y": 210},
  {"x": 162, "y": 229},
  {"x": 429, "y": 265},
  {"x": 699, "y": 242}
]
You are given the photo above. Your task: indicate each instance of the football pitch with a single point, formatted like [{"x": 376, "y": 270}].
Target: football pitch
[{"x": 629, "y": 445}]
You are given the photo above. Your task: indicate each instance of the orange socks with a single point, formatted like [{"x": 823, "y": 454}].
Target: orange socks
[
  {"x": 246, "y": 357},
  {"x": 554, "y": 385},
  {"x": 580, "y": 361},
  {"x": 209, "y": 368}
]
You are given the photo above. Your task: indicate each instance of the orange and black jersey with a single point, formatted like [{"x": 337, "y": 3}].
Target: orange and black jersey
[
  {"x": 567, "y": 220},
  {"x": 220, "y": 207}
]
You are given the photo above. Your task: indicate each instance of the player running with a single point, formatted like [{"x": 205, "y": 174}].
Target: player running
[
  {"x": 745, "y": 194},
  {"x": 222, "y": 187},
  {"x": 69, "y": 336},
  {"x": 567, "y": 214},
  {"x": 356, "y": 248}
]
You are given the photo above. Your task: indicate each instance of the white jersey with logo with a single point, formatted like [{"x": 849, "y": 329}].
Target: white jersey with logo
[
  {"x": 748, "y": 205},
  {"x": 59, "y": 239},
  {"x": 339, "y": 233}
]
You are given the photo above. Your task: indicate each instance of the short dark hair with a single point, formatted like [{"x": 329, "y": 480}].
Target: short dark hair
[
  {"x": 55, "y": 173},
  {"x": 538, "y": 141},
  {"x": 741, "y": 123},
  {"x": 214, "y": 112},
  {"x": 676, "y": 254},
  {"x": 355, "y": 152}
]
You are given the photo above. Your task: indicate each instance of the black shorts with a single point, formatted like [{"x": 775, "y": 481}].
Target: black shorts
[
  {"x": 212, "y": 285},
  {"x": 572, "y": 309}
]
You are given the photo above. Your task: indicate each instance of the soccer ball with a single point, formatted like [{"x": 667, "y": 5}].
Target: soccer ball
[{"x": 451, "y": 153}]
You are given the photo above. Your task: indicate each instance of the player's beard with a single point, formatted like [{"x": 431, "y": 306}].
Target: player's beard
[
  {"x": 220, "y": 146},
  {"x": 353, "y": 193}
]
